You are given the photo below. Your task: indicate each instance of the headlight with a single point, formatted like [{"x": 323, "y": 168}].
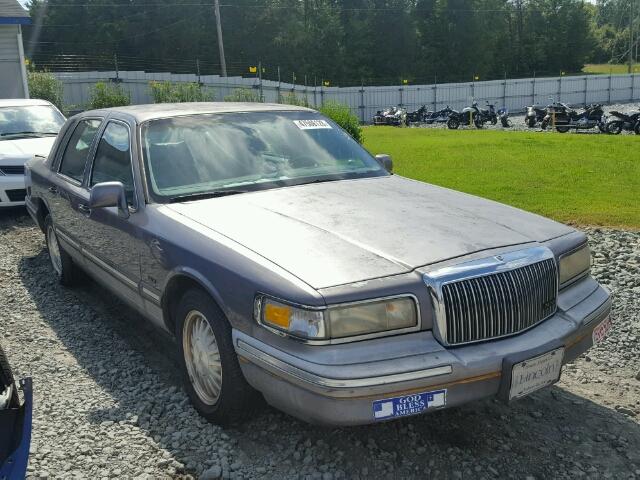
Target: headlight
[
  {"x": 372, "y": 317},
  {"x": 574, "y": 264},
  {"x": 339, "y": 321},
  {"x": 300, "y": 322}
]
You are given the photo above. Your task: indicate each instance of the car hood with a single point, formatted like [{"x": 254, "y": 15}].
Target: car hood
[
  {"x": 24, "y": 148},
  {"x": 348, "y": 231}
]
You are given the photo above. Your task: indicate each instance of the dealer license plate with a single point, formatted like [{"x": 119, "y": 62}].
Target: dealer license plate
[
  {"x": 601, "y": 330},
  {"x": 408, "y": 404},
  {"x": 535, "y": 373}
]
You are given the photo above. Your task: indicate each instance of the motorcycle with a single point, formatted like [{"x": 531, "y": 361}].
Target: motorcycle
[
  {"x": 534, "y": 114},
  {"x": 441, "y": 116},
  {"x": 564, "y": 118},
  {"x": 503, "y": 116},
  {"x": 417, "y": 116},
  {"x": 623, "y": 121},
  {"x": 488, "y": 114},
  {"x": 468, "y": 116},
  {"x": 395, "y": 116}
]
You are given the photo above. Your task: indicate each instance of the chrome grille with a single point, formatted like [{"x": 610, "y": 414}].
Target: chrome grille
[
  {"x": 12, "y": 169},
  {"x": 499, "y": 304}
]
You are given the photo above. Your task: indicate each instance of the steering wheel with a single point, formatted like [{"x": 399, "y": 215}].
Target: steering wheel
[{"x": 303, "y": 161}]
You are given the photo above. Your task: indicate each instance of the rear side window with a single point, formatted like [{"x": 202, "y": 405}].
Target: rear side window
[
  {"x": 77, "y": 151},
  {"x": 113, "y": 159}
]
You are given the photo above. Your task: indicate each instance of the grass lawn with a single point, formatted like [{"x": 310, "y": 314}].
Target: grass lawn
[
  {"x": 574, "y": 178},
  {"x": 605, "y": 68}
]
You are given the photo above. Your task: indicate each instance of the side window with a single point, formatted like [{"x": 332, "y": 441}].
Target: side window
[
  {"x": 113, "y": 159},
  {"x": 75, "y": 155}
]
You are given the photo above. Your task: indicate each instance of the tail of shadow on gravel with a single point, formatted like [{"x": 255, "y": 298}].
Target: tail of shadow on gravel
[{"x": 548, "y": 433}]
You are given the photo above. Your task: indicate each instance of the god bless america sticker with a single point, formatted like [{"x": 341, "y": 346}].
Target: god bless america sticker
[
  {"x": 311, "y": 124},
  {"x": 408, "y": 404}
]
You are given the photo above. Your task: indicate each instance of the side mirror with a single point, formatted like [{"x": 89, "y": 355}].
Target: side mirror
[
  {"x": 385, "y": 161},
  {"x": 109, "y": 194}
]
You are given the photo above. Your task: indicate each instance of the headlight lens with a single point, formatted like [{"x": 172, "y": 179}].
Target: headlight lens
[
  {"x": 575, "y": 264},
  {"x": 372, "y": 317},
  {"x": 340, "y": 321}
]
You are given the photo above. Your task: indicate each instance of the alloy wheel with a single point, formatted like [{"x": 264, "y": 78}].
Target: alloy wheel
[
  {"x": 54, "y": 250},
  {"x": 202, "y": 357}
]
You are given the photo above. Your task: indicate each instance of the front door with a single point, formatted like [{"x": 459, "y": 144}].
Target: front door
[{"x": 111, "y": 245}]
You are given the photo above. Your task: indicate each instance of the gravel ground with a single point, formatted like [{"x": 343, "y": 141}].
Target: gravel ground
[
  {"x": 518, "y": 125},
  {"x": 108, "y": 401}
]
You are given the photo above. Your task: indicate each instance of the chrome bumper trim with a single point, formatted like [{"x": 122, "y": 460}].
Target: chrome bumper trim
[
  {"x": 258, "y": 356},
  {"x": 598, "y": 312}
]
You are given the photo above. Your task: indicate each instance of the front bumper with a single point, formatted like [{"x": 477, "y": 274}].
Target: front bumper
[
  {"x": 12, "y": 190},
  {"x": 342, "y": 392}
]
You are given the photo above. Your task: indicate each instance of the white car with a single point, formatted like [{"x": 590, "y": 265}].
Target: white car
[{"x": 27, "y": 128}]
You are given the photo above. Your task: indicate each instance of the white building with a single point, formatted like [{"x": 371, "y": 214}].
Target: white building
[{"x": 13, "y": 74}]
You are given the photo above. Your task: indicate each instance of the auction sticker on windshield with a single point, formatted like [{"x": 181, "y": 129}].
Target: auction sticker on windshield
[
  {"x": 311, "y": 124},
  {"x": 535, "y": 373},
  {"x": 408, "y": 404}
]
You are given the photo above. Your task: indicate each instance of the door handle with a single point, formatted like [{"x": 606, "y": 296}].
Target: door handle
[
  {"x": 157, "y": 251},
  {"x": 84, "y": 209},
  {"x": 155, "y": 246},
  {"x": 53, "y": 189}
]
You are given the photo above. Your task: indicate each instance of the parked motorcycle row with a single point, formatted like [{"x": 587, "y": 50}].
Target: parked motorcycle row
[
  {"x": 472, "y": 115},
  {"x": 563, "y": 118},
  {"x": 557, "y": 115}
]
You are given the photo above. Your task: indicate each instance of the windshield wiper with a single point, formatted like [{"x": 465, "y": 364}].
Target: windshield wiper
[
  {"x": 204, "y": 195},
  {"x": 27, "y": 133}
]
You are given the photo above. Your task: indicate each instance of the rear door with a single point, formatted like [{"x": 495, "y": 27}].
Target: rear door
[{"x": 65, "y": 195}]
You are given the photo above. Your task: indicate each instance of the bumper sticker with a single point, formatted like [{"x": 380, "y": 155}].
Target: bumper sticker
[{"x": 408, "y": 404}]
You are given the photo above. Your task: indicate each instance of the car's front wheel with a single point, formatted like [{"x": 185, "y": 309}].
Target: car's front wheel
[
  {"x": 62, "y": 263},
  {"x": 210, "y": 367}
]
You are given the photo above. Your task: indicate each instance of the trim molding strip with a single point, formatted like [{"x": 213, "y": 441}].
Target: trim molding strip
[{"x": 109, "y": 269}]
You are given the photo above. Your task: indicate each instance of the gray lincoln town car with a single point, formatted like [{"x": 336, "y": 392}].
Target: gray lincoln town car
[{"x": 290, "y": 263}]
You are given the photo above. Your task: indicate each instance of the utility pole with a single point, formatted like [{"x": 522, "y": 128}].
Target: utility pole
[
  {"x": 223, "y": 63},
  {"x": 631, "y": 12}
]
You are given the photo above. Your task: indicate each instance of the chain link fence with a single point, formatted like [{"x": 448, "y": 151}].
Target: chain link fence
[{"x": 365, "y": 101}]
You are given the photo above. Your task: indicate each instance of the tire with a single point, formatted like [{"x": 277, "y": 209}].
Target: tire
[
  {"x": 614, "y": 128},
  {"x": 453, "y": 124},
  {"x": 61, "y": 263},
  {"x": 494, "y": 120},
  {"x": 544, "y": 124},
  {"x": 602, "y": 127},
  {"x": 531, "y": 122},
  {"x": 478, "y": 122},
  {"x": 562, "y": 129},
  {"x": 223, "y": 397},
  {"x": 636, "y": 129},
  {"x": 7, "y": 381}
]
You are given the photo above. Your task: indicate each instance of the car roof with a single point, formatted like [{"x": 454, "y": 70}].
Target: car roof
[
  {"x": 22, "y": 102},
  {"x": 142, "y": 113}
]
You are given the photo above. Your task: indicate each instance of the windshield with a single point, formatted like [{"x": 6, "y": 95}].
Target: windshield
[
  {"x": 201, "y": 154},
  {"x": 27, "y": 121}
]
